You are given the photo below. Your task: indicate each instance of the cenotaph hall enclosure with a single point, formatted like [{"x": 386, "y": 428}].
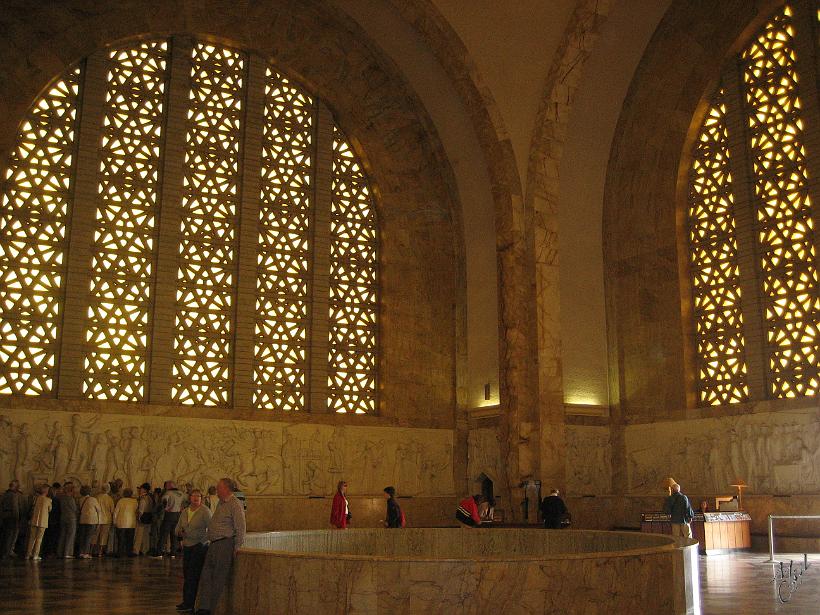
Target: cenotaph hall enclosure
[{"x": 452, "y": 247}]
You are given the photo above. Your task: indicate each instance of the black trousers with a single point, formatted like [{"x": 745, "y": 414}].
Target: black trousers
[
  {"x": 168, "y": 529},
  {"x": 193, "y": 558},
  {"x": 125, "y": 541},
  {"x": 11, "y": 529}
]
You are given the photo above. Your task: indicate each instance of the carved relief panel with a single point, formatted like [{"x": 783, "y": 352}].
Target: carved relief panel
[
  {"x": 777, "y": 453},
  {"x": 265, "y": 458},
  {"x": 589, "y": 460}
]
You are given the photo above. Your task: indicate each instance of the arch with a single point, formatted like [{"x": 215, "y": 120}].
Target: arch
[
  {"x": 641, "y": 201},
  {"x": 332, "y": 56}
]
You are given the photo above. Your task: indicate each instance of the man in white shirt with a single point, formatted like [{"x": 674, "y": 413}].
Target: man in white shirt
[{"x": 172, "y": 501}]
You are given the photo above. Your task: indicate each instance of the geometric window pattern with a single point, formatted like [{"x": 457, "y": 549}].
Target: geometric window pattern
[
  {"x": 283, "y": 284},
  {"x": 117, "y": 333},
  {"x": 785, "y": 274},
  {"x": 128, "y": 210},
  {"x": 207, "y": 267},
  {"x": 784, "y": 213},
  {"x": 36, "y": 202},
  {"x": 353, "y": 281},
  {"x": 722, "y": 376}
]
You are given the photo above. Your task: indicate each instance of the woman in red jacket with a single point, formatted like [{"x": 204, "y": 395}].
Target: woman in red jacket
[
  {"x": 340, "y": 511},
  {"x": 467, "y": 513}
]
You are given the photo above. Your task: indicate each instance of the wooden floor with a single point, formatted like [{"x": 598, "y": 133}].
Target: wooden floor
[{"x": 730, "y": 585}]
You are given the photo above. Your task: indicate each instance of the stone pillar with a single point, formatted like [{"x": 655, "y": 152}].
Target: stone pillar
[
  {"x": 71, "y": 363},
  {"x": 745, "y": 228},
  {"x": 168, "y": 221},
  {"x": 320, "y": 282},
  {"x": 520, "y": 425},
  {"x": 248, "y": 234}
]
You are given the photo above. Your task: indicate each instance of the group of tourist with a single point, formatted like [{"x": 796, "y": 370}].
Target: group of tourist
[
  {"x": 111, "y": 520},
  {"x": 207, "y": 529}
]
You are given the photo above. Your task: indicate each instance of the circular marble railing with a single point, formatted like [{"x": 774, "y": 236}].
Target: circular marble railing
[{"x": 445, "y": 570}]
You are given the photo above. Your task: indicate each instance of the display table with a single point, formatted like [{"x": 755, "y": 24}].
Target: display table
[{"x": 716, "y": 532}]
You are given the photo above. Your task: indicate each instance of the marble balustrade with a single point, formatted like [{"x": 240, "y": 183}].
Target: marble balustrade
[{"x": 461, "y": 571}]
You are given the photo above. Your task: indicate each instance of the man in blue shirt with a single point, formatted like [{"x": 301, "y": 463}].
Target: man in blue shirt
[{"x": 680, "y": 510}]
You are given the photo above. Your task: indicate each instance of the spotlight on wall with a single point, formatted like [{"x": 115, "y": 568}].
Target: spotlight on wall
[{"x": 487, "y": 392}]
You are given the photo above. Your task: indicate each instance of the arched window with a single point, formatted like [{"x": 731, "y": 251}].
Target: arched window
[
  {"x": 183, "y": 223},
  {"x": 752, "y": 217}
]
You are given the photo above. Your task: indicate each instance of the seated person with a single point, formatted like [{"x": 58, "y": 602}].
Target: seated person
[{"x": 467, "y": 513}]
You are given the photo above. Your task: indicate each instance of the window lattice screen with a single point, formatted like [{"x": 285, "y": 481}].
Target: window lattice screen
[
  {"x": 35, "y": 207},
  {"x": 283, "y": 282},
  {"x": 714, "y": 265},
  {"x": 352, "y": 379},
  {"x": 765, "y": 101},
  {"x": 207, "y": 268},
  {"x": 784, "y": 223},
  {"x": 140, "y": 188},
  {"x": 117, "y": 333}
]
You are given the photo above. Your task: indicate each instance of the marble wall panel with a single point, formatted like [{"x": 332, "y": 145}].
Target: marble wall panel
[
  {"x": 774, "y": 453},
  {"x": 264, "y": 457},
  {"x": 589, "y": 455},
  {"x": 483, "y": 457}
]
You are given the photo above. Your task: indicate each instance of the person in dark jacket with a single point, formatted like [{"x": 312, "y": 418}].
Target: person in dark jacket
[
  {"x": 553, "y": 511},
  {"x": 51, "y": 538},
  {"x": 677, "y": 506},
  {"x": 69, "y": 515},
  {"x": 12, "y": 509},
  {"x": 394, "y": 515}
]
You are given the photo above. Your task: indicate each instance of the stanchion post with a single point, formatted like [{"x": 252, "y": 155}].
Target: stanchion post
[{"x": 771, "y": 538}]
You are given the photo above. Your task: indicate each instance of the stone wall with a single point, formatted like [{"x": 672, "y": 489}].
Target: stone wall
[
  {"x": 775, "y": 453},
  {"x": 271, "y": 458}
]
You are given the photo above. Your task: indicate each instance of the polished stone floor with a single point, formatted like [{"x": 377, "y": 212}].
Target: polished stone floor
[
  {"x": 730, "y": 584},
  {"x": 742, "y": 584},
  {"x": 138, "y": 585}
]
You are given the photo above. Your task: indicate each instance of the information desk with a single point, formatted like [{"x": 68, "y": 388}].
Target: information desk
[{"x": 716, "y": 532}]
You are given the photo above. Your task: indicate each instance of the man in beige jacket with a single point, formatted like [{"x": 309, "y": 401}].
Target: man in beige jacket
[
  {"x": 90, "y": 514},
  {"x": 100, "y": 542},
  {"x": 39, "y": 523}
]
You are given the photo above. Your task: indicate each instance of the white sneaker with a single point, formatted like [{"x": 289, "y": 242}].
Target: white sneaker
[{"x": 36, "y": 559}]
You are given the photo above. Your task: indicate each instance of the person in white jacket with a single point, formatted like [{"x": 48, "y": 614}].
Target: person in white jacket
[
  {"x": 90, "y": 514},
  {"x": 145, "y": 505},
  {"x": 125, "y": 520},
  {"x": 100, "y": 541},
  {"x": 39, "y": 523}
]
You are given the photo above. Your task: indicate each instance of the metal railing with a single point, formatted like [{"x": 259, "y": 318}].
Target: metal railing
[{"x": 771, "y": 529}]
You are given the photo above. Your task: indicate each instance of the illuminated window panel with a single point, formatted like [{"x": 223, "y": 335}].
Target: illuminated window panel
[
  {"x": 122, "y": 266},
  {"x": 722, "y": 377},
  {"x": 784, "y": 223},
  {"x": 201, "y": 373},
  {"x": 282, "y": 283},
  {"x": 37, "y": 195},
  {"x": 353, "y": 280}
]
